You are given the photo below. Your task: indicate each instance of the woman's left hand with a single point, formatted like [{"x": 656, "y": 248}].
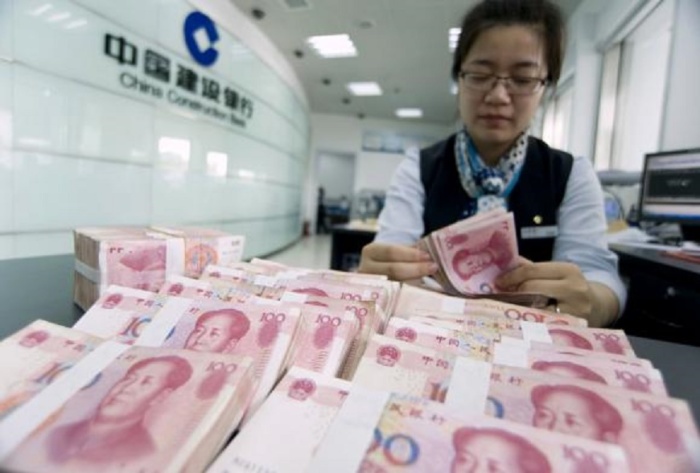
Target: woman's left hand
[{"x": 557, "y": 280}]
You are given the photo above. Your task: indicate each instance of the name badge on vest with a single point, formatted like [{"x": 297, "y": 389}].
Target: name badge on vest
[{"x": 531, "y": 233}]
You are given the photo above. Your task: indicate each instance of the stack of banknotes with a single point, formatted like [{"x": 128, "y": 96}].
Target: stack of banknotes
[
  {"x": 473, "y": 252},
  {"x": 257, "y": 366},
  {"x": 143, "y": 257}
]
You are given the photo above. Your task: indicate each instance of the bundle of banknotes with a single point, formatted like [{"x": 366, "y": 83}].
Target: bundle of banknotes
[
  {"x": 257, "y": 366},
  {"x": 143, "y": 257},
  {"x": 473, "y": 252}
]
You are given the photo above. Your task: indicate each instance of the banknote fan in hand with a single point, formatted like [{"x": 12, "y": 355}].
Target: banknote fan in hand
[{"x": 473, "y": 252}]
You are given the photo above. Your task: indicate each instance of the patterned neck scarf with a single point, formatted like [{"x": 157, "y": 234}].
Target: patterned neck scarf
[{"x": 487, "y": 186}]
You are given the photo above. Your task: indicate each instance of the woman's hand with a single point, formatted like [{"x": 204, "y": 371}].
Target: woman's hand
[
  {"x": 564, "y": 283},
  {"x": 399, "y": 262}
]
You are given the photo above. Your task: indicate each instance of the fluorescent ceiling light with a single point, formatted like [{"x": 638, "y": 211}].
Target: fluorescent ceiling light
[
  {"x": 409, "y": 112},
  {"x": 332, "y": 46},
  {"x": 453, "y": 37},
  {"x": 364, "y": 88}
]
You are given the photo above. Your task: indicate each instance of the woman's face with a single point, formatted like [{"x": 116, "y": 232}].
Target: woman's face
[{"x": 495, "y": 118}]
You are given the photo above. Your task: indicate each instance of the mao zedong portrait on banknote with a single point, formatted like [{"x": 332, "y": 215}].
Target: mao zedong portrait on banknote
[
  {"x": 492, "y": 449},
  {"x": 115, "y": 430},
  {"x": 218, "y": 331},
  {"x": 576, "y": 411},
  {"x": 468, "y": 262},
  {"x": 569, "y": 370}
]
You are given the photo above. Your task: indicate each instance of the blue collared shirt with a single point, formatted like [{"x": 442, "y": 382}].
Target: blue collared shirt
[{"x": 581, "y": 220}]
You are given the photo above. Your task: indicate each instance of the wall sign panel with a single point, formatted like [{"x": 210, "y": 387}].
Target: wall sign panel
[{"x": 138, "y": 112}]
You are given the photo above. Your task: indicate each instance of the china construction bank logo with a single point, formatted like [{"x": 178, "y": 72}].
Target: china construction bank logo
[{"x": 200, "y": 37}]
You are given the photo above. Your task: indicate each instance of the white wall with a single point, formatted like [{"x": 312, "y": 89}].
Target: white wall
[
  {"x": 340, "y": 133},
  {"x": 336, "y": 174},
  {"x": 374, "y": 170},
  {"x": 681, "y": 128},
  {"x": 80, "y": 146}
]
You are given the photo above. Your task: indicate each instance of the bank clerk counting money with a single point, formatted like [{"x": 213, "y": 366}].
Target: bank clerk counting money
[{"x": 508, "y": 60}]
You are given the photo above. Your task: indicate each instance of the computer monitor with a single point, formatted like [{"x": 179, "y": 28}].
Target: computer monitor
[{"x": 671, "y": 190}]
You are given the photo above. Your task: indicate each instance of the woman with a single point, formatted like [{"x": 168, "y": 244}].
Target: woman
[{"x": 509, "y": 53}]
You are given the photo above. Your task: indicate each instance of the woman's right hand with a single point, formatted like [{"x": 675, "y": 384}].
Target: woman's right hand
[{"x": 398, "y": 262}]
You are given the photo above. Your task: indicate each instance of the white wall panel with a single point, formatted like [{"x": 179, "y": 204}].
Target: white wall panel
[
  {"x": 263, "y": 161},
  {"x": 6, "y": 29},
  {"x": 55, "y": 192},
  {"x": 86, "y": 138},
  {"x": 178, "y": 197},
  {"x": 29, "y": 245},
  {"x": 135, "y": 15},
  {"x": 51, "y": 46},
  {"x": 6, "y": 190},
  {"x": 6, "y": 80},
  {"x": 79, "y": 120}
]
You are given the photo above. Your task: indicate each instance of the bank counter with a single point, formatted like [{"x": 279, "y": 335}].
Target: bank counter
[{"x": 35, "y": 288}]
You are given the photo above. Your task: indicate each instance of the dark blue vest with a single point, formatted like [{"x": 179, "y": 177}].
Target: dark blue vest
[{"x": 534, "y": 200}]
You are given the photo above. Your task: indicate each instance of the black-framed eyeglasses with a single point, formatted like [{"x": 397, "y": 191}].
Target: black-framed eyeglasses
[{"x": 515, "y": 85}]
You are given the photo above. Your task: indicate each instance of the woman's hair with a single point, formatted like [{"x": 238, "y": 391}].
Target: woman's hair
[{"x": 542, "y": 15}]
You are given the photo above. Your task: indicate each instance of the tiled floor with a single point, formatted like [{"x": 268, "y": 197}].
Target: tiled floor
[{"x": 309, "y": 252}]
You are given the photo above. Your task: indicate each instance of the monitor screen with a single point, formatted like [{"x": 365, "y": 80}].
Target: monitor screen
[{"x": 671, "y": 187}]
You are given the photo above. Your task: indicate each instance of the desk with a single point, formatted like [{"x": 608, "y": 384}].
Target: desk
[
  {"x": 42, "y": 288},
  {"x": 347, "y": 242},
  {"x": 663, "y": 295}
]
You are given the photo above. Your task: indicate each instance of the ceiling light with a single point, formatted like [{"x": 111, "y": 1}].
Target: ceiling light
[
  {"x": 364, "y": 88},
  {"x": 453, "y": 37},
  {"x": 332, "y": 46},
  {"x": 409, "y": 112}
]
